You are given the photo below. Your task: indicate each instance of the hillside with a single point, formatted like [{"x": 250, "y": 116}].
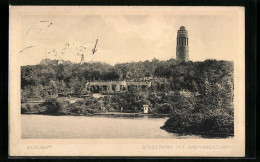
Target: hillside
[{"x": 198, "y": 95}]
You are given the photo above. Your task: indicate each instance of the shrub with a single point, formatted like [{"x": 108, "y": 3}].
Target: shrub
[
  {"x": 214, "y": 121},
  {"x": 92, "y": 111},
  {"x": 79, "y": 102},
  {"x": 57, "y": 106},
  {"x": 24, "y": 109},
  {"x": 29, "y": 106},
  {"x": 154, "y": 110},
  {"x": 23, "y": 99},
  {"x": 77, "y": 109},
  {"x": 135, "y": 109},
  {"x": 164, "y": 108},
  {"x": 36, "y": 107}
]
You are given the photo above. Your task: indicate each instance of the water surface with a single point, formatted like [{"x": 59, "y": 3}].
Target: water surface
[{"x": 84, "y": 127}]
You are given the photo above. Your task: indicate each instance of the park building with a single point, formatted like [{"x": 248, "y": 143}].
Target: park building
[{"x": 114, "y": 86}]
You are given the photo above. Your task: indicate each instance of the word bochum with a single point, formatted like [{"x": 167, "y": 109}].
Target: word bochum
[{"x": 182, "y": 48}]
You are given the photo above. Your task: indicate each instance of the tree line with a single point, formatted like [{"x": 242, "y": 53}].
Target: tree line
[{"x": 44, "y": 80}]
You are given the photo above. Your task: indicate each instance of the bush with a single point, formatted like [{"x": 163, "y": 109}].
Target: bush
[
  {"x": 23, "y": 99},
  {"x": 202, "y": 118},
  {"x": 29, "y": 106},
  {"x": 92, "y": 111},
  {"x": 213, "y": 123},
  {"x": 154, "y": 110},
  {"x": 164, "y": 108},
  {"x": 77, "y": 109},
  {"x": 36, "y": 107},
  {"x": 24, "y": 109},
  {"x": 57, "y": 106},
  {"x": 79, "y": 102}
]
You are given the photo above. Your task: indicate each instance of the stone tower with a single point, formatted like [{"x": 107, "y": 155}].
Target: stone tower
[{"x": 182, "y": 48}]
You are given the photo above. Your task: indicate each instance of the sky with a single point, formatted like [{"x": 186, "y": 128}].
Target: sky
[{"x": 125, "y": 37}]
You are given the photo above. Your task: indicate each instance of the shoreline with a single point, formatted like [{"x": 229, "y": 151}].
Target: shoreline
[{"x": 102, "y": 114}]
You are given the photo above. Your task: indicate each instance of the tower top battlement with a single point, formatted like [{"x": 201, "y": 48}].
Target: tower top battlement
[
  {"x": 183, "y": 32},
  {"x": 182, "y": 28}
]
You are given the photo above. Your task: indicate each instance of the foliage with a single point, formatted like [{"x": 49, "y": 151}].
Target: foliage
[
  {"x": 211, "y": 112},
  {"x": 164, "y": 108},
  {"x": 92, "y": 111},
  {"x": 56, "y": 106},
  {"x": 24, "y": 109},
  {"x": 199, "y": 95},
  {"x": 61, "y": 106},
  {"x": 48, "y": 80},
  {"x": 36, "y": 107},
  {"x": 29, "y": 106},
  {"x": 77, "y": 109},
  {"x": 131, "y": 100}
]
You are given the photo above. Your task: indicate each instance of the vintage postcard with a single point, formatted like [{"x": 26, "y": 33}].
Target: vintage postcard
[{"x": 127, "y": 81}]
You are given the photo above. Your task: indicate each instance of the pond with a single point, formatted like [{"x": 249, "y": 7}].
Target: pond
[{"x": 87, "y": 127}]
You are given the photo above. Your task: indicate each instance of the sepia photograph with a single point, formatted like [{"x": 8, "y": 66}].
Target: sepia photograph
[{"x": 153, "y": 81}]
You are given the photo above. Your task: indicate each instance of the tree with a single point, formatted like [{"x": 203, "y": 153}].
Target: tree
[
  {"x": 77, "y": 85},
  {"x": 53, "y": 88}
]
